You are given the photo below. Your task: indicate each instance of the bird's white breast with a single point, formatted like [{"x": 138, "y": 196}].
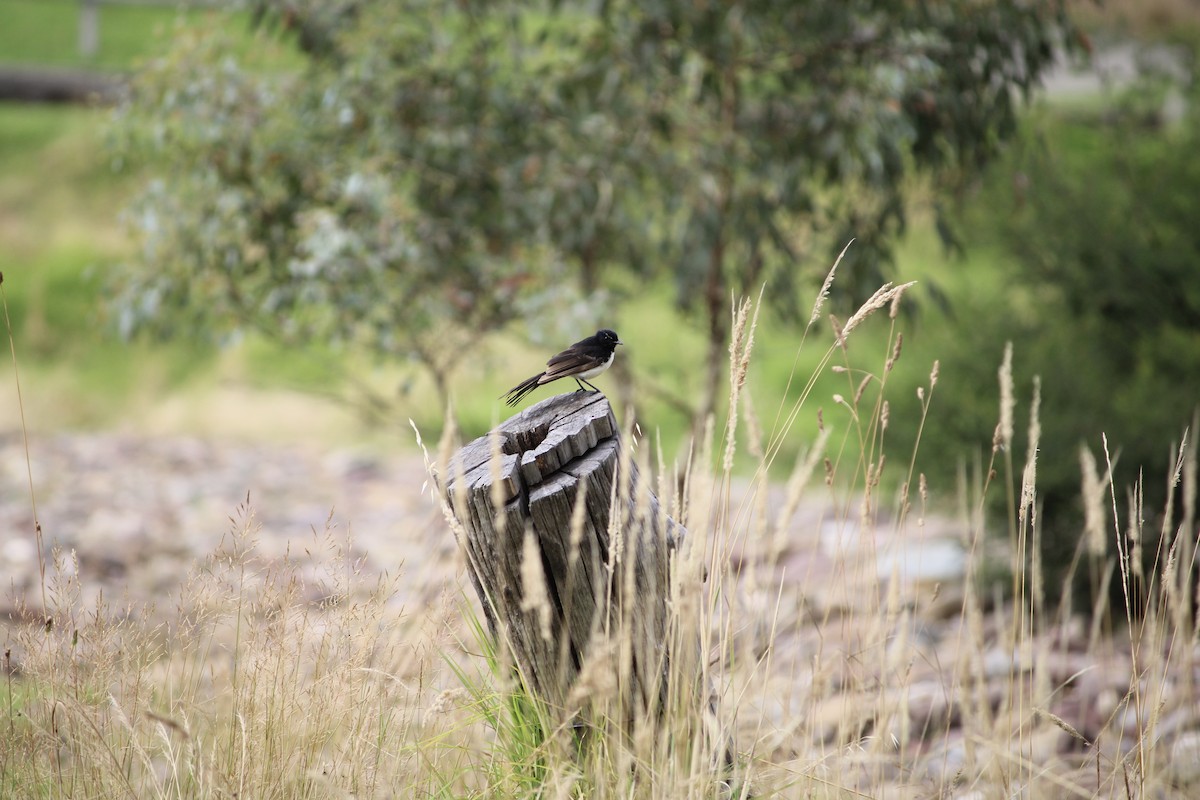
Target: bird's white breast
[{"x": 591, "y": 373}]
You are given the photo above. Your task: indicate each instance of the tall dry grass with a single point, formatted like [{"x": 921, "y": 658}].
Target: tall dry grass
[{"x": 809, "y": 655}]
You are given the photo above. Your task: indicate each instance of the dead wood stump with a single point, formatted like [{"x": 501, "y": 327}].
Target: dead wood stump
[{"x": 604, "y": 563}]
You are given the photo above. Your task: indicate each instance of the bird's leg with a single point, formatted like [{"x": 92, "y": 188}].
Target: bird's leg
[{"x": 581, "y": 381}]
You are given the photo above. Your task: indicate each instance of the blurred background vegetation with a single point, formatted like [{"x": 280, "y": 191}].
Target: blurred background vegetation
[{"x": 389, "y": 206}]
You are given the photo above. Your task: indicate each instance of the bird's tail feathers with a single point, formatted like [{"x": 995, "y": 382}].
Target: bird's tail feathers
[{"x": 515, "y": 394}]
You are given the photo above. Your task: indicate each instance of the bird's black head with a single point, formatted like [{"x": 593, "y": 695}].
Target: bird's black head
[{"x": 608, "y": 337}]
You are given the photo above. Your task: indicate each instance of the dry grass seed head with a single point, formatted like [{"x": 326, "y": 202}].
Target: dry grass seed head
[
  {"x": 498, "y": 486},
  {"x": 836, "y": 325},
  {"x": 1004, "y": 429},
  {"x": 754, "y": 431},
  {"x": 895, "y": 356},
  {"x": 894, "y": 311},
  {"x": 1134, "y": 529},
  {"x": 823, "y": 295},
  {"x": 862, "y": 387},
  {"x": 578, "y": 520},
  {"x": 1064, "y": 725},
  {"x": 447, "y": 700},
  {"x": 739, "y": 358},
  {"x": 1171, "y": 585},
  {"x": 841, "y": 401},
  {"x": 597, "y": 679},
  {"x": 1029, "y": 476},
  {"x": 883, "y": 295},
  {"x": 1177, "y": 459},
  {"x": 1094, "y": 517},
  {"x": 534, "y": 595}
]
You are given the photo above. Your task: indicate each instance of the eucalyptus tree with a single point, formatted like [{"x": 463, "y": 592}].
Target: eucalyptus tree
[{"x": 437, "y": 169}]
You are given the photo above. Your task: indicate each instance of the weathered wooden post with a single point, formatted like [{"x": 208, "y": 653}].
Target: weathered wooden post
[{"x": 551, "y": 484}]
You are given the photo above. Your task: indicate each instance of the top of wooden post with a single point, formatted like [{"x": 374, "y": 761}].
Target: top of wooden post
[{"x": 535, "y": 444}]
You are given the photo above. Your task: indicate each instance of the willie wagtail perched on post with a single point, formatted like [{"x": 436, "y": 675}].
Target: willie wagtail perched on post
[{"x": 585, "y": 359}]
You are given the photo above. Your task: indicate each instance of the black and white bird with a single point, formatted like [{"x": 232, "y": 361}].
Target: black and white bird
[{"x": 585, "y": 359}]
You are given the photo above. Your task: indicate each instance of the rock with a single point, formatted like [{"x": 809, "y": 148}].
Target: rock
[
  {"x": 1184, "y": 766},
  {"x": 931, "y": 707}
]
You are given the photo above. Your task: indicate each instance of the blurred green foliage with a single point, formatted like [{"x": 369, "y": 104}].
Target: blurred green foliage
[
  {"x": 441, "y": 169},
  {"x": 1091, "y": 221}
]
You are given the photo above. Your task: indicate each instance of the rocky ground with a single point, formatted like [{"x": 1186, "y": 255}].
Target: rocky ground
[{"x": 138, "y": 513}]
